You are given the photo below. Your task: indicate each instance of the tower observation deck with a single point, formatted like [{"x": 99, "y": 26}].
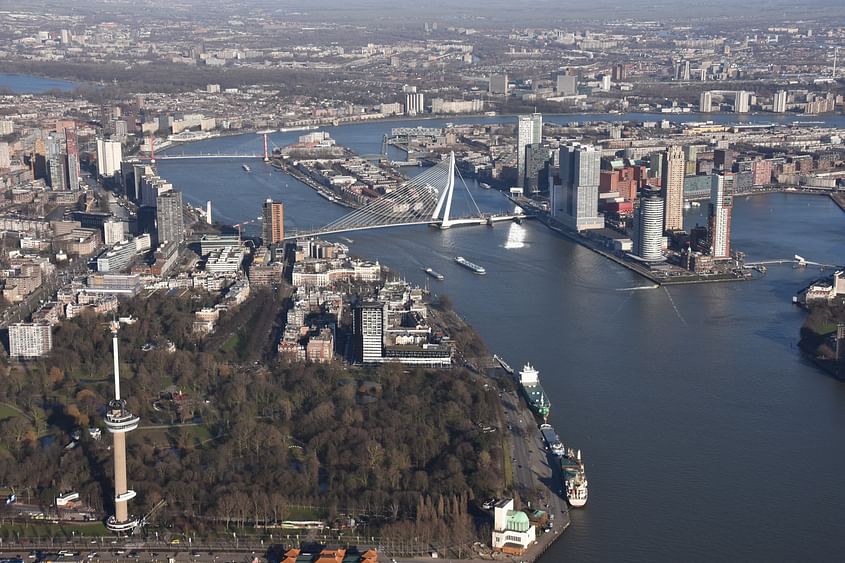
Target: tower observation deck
[{"x": 119, "y": 421}]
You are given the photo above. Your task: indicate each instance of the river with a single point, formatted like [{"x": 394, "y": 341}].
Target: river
[{"x": 705, "y": 433}]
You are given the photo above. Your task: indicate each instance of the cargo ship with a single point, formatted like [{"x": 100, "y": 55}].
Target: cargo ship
[
  {"x": 551, "y": 438},
  {"x": 574, "y": 478},
  {"x": 435, "y": 275},
  {"x": 529, "y": 382},
  {"x": 469, "y": 265}
]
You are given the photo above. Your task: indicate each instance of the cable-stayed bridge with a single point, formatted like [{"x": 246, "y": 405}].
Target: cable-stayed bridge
[{"x": 423, "y": 200}]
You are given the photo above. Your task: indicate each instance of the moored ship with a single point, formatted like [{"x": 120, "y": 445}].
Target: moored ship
[
  {"x": 574, "y": 478},
  {"x": 469, "y": 265},
  {"x": 551, "y": 439},
  {"x": 529, "y": 382}
]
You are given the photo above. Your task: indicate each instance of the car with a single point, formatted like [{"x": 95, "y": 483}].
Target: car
[{"x": 175, "y": 541}]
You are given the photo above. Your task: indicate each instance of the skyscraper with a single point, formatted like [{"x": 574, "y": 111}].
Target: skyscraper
[
  {"x": 566, "y": 85},
  {"x": 578, "y": 202},
  {"x": 109, "y": 157},
  {"x": 73, "y": 170},
  {"x": 742, "y": 101},
  {"x": 498, "y": 84},
  {"x": 648, "y": 225},
  {"x": 414, "y": 102},
  {"x": 272, "y": 222},
  {"x": 705, "y": 103},
  {"x": 720, "y": 217},
  {"x": 529, "y": 132},
  {"x": 673, "y": 185},
  {"x": 170, "y": 222},
  {"x": 56, "y": 163},
  {"x": 368, "y": 329},
  {"x": 119, "y": 421},
  {"x": 779, "y": 101}
]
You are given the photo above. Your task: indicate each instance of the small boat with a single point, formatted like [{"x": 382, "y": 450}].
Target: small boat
[
  {"x": 484, "y": 186},
  {"x": 246, "y": 168},
  {"x": 435, "y": 275},
  {"x": 504, "y": 364},
  {"x": 469, "y": 265}
]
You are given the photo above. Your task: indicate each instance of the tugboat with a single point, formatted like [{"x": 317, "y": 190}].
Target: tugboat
[
  {"x": 529, "y": 382},
  {"x": 574, "y": 478}
]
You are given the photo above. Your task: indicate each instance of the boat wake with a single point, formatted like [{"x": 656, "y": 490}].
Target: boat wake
[{"x": 637, "y": 288}]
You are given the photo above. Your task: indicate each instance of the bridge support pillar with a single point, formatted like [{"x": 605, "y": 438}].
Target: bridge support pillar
[{"x": 444, "y": 204}]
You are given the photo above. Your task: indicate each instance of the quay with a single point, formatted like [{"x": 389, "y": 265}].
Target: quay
[{"x": 687, "y": 278}]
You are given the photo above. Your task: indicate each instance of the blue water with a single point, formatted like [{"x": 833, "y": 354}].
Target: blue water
[
  {"x": 26, "y": 84},
  {"x": 706, "y": 435}
]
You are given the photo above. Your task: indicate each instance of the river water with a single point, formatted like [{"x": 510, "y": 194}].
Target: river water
[
  {"x": 706, "y": 435},
  {"x": 27, "y": 84}
]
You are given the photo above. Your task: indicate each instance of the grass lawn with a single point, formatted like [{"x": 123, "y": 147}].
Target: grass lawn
[
  {"x": 7, "y": 412},
  {"x": 48, "y": 530}
]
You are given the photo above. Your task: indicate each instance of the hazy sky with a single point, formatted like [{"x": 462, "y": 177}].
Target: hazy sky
[{"x": 507, "y": 12}]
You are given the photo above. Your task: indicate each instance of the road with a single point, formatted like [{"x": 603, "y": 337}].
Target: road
[{"x": 535, "y": 471}]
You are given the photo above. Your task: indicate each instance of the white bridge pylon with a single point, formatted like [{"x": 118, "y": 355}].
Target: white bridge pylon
[
  {"x": 444, "y": 204},
  {"x": 425, "y": 199}
]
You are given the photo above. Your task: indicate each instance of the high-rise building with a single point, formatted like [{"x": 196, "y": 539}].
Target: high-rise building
[
  {"x": 720, "y": 216},
  {"x": 119, "y": 420},
  {"x": 368, "y": 330},
  {"x": 5, "y": 155},
  {"x": 705, "y": 103},
  {"x": 537, "y": 158},
  {"x": 114, "y": 231},
  {"x": 742, "y": 101},
  {"x": 566, "y": 85},
  {"x": 723, "y": 159},
  {"x": 498, "y": 84},
  {"x": 30, "y": 340},
  {"x": 272, "y": 222},
  {"x": 57, "y": 177},
  {"x": 529, "y": 132},
  {"x": 779, "y": 101},
  {"x": 673, "y": 186},
  {"x": 414, "y": 102},
  {"x": 620, "y": 72},
  {"x": 577, "y": 203},
  {"x": 7, "y": 127},
  {"x": 73, "y": 170},
  {"x": 170, "y": 221},
  {"x": 109, "y": 157},
  {"x": 648, "y": 225}
]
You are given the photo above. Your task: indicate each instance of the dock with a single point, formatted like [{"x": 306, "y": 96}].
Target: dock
[{"x": 535, "y": 469}]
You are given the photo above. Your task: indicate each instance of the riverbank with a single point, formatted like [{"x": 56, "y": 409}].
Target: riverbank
[
  {"x": 532, "y": 471},
  {"x": 676, "y": 279}
]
